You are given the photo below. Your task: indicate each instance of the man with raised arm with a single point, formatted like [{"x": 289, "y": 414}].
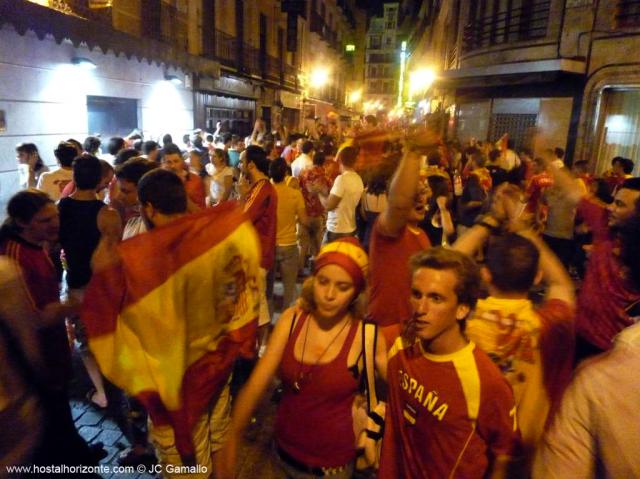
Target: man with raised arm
[
  {"x": 395, "y": 238},
  {"x": 606, "y": 293}
]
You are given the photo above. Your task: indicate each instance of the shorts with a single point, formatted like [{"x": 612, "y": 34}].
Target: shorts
[{"x": 207, "y": 436}]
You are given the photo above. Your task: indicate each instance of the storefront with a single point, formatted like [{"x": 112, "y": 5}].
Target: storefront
[
  {"x": 536, "y": 103},
  {"x": 229, "y": 100}
]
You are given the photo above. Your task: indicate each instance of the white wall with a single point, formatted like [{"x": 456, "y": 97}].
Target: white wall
[{"x": 44, "y": 97}]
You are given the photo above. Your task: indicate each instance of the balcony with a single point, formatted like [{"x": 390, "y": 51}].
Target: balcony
[
  {"x": 627, "y": 14},
  {"x": 289, "y": 76},
  {"x": 251, "y": 61},
  {"x": 226, "y": 51},
  {"x": 519, "y": 24},
  {"x": 272, "y": 68}
]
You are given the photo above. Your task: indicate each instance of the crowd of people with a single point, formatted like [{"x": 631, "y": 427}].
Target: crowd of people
[{"x": 504, "y": 288}]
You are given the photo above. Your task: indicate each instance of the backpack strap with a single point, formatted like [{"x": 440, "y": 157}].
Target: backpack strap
[{"x": 369, "y": 342}]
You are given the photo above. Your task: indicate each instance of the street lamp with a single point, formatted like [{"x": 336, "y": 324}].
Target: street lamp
[
  {"x": 83, "y": 63},
  {"x": 355, "y": 96},
  {"x": 420, "y": 81},
  {"x": 319, "y": 77}
]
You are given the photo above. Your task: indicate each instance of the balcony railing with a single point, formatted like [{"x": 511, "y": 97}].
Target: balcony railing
[
  {"x": 251, "y": 60},
  {"x": 226, "y": 48},
  {"x": 289, "y": 75},
  {"x": 519, "y": 24},
  {"x": 627, "y": 14},
  {"x": 272, "y": 68}
]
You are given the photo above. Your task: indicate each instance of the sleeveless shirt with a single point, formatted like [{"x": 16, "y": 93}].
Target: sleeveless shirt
[{"x": 315, "y": 424}]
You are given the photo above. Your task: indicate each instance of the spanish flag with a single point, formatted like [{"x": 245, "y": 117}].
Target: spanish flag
[{"x": 167, "y": 320}]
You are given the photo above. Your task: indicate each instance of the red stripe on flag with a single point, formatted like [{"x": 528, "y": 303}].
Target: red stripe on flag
[
  {"x": 152, "y": 257},
  {"x": 103, "y": 301},
  {"x": 201, "y": 385}
]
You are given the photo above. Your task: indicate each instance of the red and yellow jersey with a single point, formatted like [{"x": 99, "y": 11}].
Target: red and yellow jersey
[
  {"x": 261, "y": 207},
  {"x": 448, "y": 415},
  {"x": 534, "y": 351}
]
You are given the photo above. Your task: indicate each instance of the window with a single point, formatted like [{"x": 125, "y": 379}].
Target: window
[
  {"x": 493, "y": 22},
  {"x": 111, "y": 116},
  {"x": 619, "y": 126},
  {"x": 627, "y": 14}
]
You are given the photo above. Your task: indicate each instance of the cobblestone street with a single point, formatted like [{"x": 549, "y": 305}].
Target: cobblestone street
[{"x": 98, "y": 426}]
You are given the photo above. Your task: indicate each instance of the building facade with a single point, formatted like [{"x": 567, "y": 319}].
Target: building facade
[
  {"x": 551, "y": 73},
  {"x": 382, "y": 61},
  {"x": 70, "y": 68}
]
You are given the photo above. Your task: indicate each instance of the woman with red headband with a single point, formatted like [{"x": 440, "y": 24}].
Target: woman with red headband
[{"x": 316, "y": 349}]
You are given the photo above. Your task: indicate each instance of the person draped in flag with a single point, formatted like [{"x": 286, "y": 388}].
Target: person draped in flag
[
  {"x": 450, "y": 412},
  {"x": 167, "y": 318},
  {"x": 316, "y": 348}
]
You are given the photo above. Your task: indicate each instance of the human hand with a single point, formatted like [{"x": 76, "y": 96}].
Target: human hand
[{"x": 441, "y": 201}]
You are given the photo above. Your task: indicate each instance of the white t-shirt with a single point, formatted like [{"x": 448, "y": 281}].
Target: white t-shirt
[
  {"x": 217, "y": 181},
  {"x": 134, "y": 227},
  {"x": 53, "y": 182},
  {"x": 300, "y": 164},
  {"x": 348, "y": 186}
]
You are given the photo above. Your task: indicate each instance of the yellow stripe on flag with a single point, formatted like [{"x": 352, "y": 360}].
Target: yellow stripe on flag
[{"x": 182, "y": 319}]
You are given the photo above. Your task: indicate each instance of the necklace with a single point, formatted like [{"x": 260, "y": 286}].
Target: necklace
[{"x": 302, "y": 377}]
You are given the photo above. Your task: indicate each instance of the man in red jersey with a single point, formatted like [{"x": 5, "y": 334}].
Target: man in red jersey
[
  {"x": 394, "y": 239},
  {"x": 450, "y": 411},
  {"x": 261, "y": 205},
  {"x": 31, "y": 226},
  {"x": 607, "y": 294}
]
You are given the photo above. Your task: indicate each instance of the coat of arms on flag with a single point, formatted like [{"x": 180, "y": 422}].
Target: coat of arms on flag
[{"x": 167, "y": 320}]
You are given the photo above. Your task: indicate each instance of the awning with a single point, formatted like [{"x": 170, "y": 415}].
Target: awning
[
  {"x": 518, "y": 73},
  {"x": 43, "y": 21}
]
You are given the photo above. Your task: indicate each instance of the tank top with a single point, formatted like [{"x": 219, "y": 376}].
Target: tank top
[
  {"x": 79, "y": 237},
  {"x": 315, "y": 425}
]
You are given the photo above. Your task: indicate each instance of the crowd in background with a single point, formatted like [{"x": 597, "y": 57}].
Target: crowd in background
[{"x": 490, "y": 274}]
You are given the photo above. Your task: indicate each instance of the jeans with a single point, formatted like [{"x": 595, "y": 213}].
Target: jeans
[
  {"x": 287, "y": 260},
  {"x": 310, "y": 238}
]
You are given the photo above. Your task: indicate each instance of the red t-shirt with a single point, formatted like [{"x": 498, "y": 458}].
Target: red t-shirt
[
  {"x": 448, "y": 415},
  {"x": 389, "y": 276},
  {"x": 261, "y": 206},
  {"x": 41, "y": 283},
  {"x": 313, "y": 178},
  {"x": 194, "y": 187},
  {"x": 605, "y": 291}
]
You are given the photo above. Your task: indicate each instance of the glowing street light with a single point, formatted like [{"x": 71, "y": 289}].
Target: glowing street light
[
  {"x": 319, "y": 77},
  {"x": 355, "y": 96},
  {"x": 420, "y": 81}
]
